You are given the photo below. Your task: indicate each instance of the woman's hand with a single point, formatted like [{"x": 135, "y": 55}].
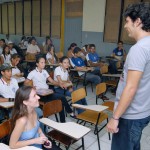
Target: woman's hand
[
  {"x": 40, "y": 140},
  {"x": 47, "y": 144}
]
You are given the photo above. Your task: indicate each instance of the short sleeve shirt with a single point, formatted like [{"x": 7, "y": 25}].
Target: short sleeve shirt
[
  {"x": 138, "y": 59},
  {"x": 60, "y": 72},
  {"x": 6, "y": 58},
  {"x": 92, "y": 57},
  {"x": 8, "y": 90},
  {"x": 49, "y": 56},
  {"x": 33, "y": 48},
  {"x": 39, "y": 78}
]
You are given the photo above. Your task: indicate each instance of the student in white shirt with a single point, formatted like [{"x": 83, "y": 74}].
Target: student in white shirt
[
  {"x": 15, "y": 59},
  {"x": 9, "y": 86},
  {"x": 5, "y": 57},
  {"x": 51, "y": 56},
  {"x": 32, "y": 47},
  {"x": 61, "y": 75},
  {"x": 40, "y": 76},
  {"x": 12, "y": 50}
]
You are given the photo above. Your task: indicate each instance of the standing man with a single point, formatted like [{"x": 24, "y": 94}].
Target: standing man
[{"x": 132, "y": 103}]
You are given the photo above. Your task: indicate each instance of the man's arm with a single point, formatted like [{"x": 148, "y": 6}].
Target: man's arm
[
  {"x": 100, "y": 64},
  {"x": 133, "y": 80},
  {"x": 4, "y": 99}
]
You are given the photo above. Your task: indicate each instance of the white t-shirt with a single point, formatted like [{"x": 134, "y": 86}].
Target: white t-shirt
[
  {"x": 8, "y": 91},
  {"x": 33, "y": 48},
  {"x": 13, "y": 51},
  {"x": 39, "y": 78},
  {"x": 60, "y": 72},
  {"x": 15, "y": 71},
  {"x": 49, "y": 56},
  {"x": 6, "y": 58},
  {"x": 1, "y": 50}
]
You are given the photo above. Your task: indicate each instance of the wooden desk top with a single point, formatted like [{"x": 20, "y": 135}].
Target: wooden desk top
[
  {"x": 44, "y": 92},
  {"x": 6, "y": 104},
  {"x": 6, "y": 147},
  {"x": 84, "y": 70},
  {"x": 47, "y": 64},
  {"x": 29, "y": 60},
  {"x": 71, "y": 129},
  {"x": 112, "y": 75},
  {"x": 97, "y": 108}
]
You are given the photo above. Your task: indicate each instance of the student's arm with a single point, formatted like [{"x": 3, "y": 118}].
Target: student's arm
[
  {"x": 100, "y": 64},
  {"x": 127, "y": 96},
  {"x": 4, "y": 99},
  {"x": 2, "y": 60},
  {"x": 19, "y": 128},
  {"x": 55, "y": 83}
]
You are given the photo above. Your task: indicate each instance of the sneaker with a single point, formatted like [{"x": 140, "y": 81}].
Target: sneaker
[{"x": 73, "y": 116}]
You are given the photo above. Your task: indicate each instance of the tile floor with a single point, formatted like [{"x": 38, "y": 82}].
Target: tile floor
[{"x": 90, "y": 139}]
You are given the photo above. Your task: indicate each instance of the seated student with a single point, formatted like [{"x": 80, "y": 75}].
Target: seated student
[
  {"x": 61, "y": 75},
  {"x": 70, "y": 50},
  {"x": 93, "y": 58},
  {"x": 12, "y": 50},
  {"x": 85, "y": 49},
  {"x": 9, "y": 86},
  {"x": 24, "y": 43},
  {"x": 2, "y": 44},
  {"x": 15, "y": 59},
  {"x": 78, "y": 63},
  {"x": 26, "y": 129},
  {"x": 46, "y": 45},
  {"x": 51, "y": 56},
  {"x": 5, "y": 57},
  {"x": 32, "y": 47},
  {"x": 39, "y": 76},
  {"x": 119, "y": 54}
]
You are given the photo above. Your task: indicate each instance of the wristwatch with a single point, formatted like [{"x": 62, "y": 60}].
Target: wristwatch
[{"x": 11, "y": 99}]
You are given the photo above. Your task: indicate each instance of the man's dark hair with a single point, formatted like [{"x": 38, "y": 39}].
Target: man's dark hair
[
  {"x": 92, "y": 45},
  {"x": 76, "y": 50},
  {"x": 2, "y": 40},
  {"x": 139, "y": 10},
  {"x": 120, "y": 42}
]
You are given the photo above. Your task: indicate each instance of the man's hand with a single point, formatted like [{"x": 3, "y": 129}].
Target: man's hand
[{"x": 112, "y": 126}]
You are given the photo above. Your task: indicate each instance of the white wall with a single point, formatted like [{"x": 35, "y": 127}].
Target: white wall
[{"x": 93, "y": 15}]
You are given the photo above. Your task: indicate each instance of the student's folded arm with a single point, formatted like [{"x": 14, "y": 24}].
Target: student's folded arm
[{"x": 4, "y": 99}]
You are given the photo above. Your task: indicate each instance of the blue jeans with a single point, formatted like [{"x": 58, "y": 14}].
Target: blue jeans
[
  {"x": 129, "y": 135},
  {"x": 68, "y": 93},
  {"x": 92, "y": 78}
]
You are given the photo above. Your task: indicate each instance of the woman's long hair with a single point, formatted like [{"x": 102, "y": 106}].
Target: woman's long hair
[
  {"x": 49, "y": 49},
  {"x": 20, "y": 109},
  {"x": 4, "y": 53}
]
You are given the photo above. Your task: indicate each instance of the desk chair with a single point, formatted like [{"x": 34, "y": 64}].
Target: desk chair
[
  {"x": 93, "y": 116},
  {"x": 5, "y": 129},
  {"x": 100, "y": 90},
  {"x": 109, "y": 82},
  {"x": 110, "y": 105},
  {"x": 56, "y": 107}
]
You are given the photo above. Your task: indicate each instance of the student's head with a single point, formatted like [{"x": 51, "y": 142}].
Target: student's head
[
  {"x": 72, "y": 46},
  {"x": 40, "y": 62},
  {"x": 120, "y": 44},
  {"x": 6, "y": 71},
  {"x": 6, "y": 50},
  {"x": 15, "y": 59},
  {"x": 51, "y": 48},
  {"x": 32, "y": 41},
  {"x": 25, "y": 99},
  {"x": 2, "y": 43},
  {"x": 23, "y": 38},
  {"x": 77, "y": 51},
  {"x": 92, "y": 48},
  {"x": 137, "y": 18},
  {"x": 10, "y": 44},
  {"x": 48, "y": 41},
  {"x": 64, "y": 61}
]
